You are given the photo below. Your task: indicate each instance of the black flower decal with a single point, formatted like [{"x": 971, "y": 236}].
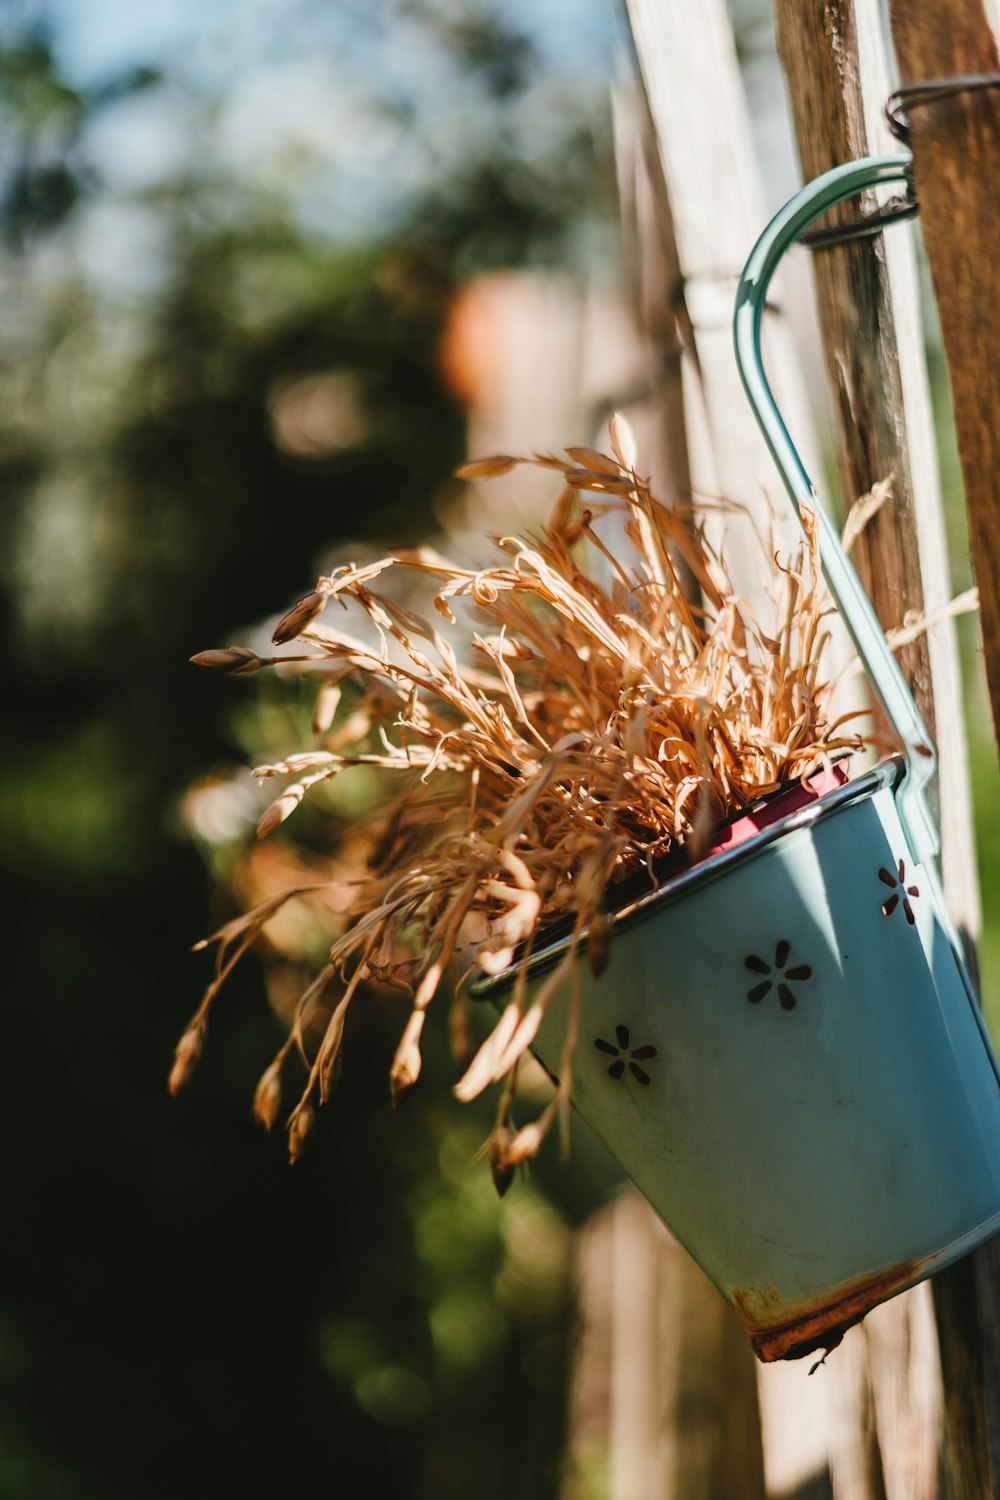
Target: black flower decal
[
  {"x": 776, "y": 974},
  {"x": 898, "y": 884},
  {"x": 624, "y": 1057}
]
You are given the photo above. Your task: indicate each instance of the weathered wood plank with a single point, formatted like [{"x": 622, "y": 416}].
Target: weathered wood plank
[
  {"x": 956, "y": 152},
  {"x": 663, "y": 1404},
  {"x": 716, "y": 203},
  {"x": 820, "y": 55},
  {"x": 867, "y": 293},
  {"x": 656, "y": 410},
  {"x": 688, "y": 63},
  {"x": 904, "y": 1376},
  {"x": 968, "y": 1465},
  {"x": 956, "y": 146}
]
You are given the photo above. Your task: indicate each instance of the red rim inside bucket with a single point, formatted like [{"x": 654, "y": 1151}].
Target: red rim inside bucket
[
  {"x": 765, "y": 813},
  {"x": 629, "y": 896}
]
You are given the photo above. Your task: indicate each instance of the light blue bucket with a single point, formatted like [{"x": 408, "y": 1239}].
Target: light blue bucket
[{"x": 785, "y": 1053}]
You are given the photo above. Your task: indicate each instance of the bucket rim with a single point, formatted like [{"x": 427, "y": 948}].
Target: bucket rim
[{"x": 888, "y": 773}]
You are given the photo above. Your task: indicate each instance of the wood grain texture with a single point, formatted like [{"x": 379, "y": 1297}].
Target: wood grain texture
[
  {"x": 969, "y": 1469},
  {"x": 818, "y": 44},
  {"x": 656, "y": 410},
  {"x": 663, "y": 1402},
  {"x": 687, "y": 59},
  {"x": 836, "y": 71},
  {"x": 956, "y": 154},
  {"x": 835, "y": 67},
  {"x": 709, "y": 207}
]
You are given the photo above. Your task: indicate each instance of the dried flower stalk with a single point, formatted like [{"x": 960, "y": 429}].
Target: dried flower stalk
[{"x": 597, "y": 721}]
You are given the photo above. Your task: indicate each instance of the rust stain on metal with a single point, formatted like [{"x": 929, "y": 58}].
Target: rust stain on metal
[{"x": 821, "y": 1327}]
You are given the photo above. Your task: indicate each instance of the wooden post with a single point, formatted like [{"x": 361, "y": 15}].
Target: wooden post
[
  {"x": 688, "y": 66},
  {"x": 688, "y": 63},
  {"x": 715, "y": 209},
  {"x": 822, "y": 65},
  {"x": 656, "y": 411},
  {"x": 838, "y": 78},
  {"x": 664, "y": 1399},
  {"x": 662, "y": 1404},
  {"x": 956, "y": 153}
]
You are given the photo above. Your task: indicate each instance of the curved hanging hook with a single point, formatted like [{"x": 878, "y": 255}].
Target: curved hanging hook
[{"x": 866, "y": 632}]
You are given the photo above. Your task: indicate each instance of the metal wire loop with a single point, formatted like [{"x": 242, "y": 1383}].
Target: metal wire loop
[
  {"x": 915, "y": 95},
  {"x": 895, "y": 211},
  {"x": 898, "y": 105}
]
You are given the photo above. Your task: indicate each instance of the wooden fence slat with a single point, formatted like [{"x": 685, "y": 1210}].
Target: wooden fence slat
[
  {"x": 904, "y": 1376},
  {"x": 688, "y": 62},
  {"x": 869, "y": 312},
  {"x": 656, "y": 412},
  {"x": 837, "y": 75},
  {"x": 956, "y": 150},
  {"x": 820, "y": 56},
  {"x": 689, "y": 68},
  {"x": 663, "y": 1405}
]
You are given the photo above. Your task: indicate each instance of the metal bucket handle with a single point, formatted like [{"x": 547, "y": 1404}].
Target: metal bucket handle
[{"x": 886, "y": 678}]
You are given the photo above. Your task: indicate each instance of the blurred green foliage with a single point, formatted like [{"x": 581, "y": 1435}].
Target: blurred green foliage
[
  {"x": 982, "y": 746},
  {"x": 181, "y": 1314}
]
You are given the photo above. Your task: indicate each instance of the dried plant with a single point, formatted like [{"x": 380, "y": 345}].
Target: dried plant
[{"x": 598, "y": 720}]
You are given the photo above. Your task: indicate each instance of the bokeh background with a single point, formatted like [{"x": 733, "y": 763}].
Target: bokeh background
[{"x": 259, "y": 263}]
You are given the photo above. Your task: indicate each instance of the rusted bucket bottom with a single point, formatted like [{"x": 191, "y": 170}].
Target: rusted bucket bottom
[{"x": 824, "y": 1327}]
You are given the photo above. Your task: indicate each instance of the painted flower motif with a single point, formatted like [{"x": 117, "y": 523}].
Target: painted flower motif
[
  {"x": 624, "y": 1057},
  {"x": 897, "y": 885},
  {"x": 776, "y": 974}
]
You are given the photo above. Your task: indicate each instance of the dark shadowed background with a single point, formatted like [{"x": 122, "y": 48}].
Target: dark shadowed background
[{"x": 201, "y": 208}]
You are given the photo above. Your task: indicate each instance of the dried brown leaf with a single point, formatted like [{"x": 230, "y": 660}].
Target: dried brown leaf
[
  {"x": 299, "y": 617},
  {"x": 487, "y": 468},
  {"x": 237, "y": 660},
  {"x": 623, "y": 441},
  {"x": 598, "y": 721}
]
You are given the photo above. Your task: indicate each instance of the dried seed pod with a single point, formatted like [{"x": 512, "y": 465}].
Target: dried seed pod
[
  {"x": 487, "y": 468},
  {"x": 325, "y": 708},
  {"x": 234, "y": 659},
  {"x": 186, "y": 1057},
  {"x": 526, "y": 1142},
  {"x": 562, "y": 896},
  {"x": 299, "y": 617},
  {"x": 407, "y": 1062},
  {"x": 501, "y": 1170},
  {"x": 300, "y": 1128},
  {"x": 280, "y": 809},
  {"x": 623, "y": 441},
  {"x": 600, "y": 484},
  {"x": 589, "y": 458},
  {"x": 267, "y": 1099}
]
